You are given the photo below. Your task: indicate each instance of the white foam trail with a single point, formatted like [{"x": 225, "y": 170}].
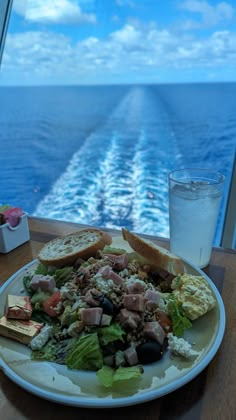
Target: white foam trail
[
  {"x": 119, "y": 177},
  {"x": 90, "y": 183}
]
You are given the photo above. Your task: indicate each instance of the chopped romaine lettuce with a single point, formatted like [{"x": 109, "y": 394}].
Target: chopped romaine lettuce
[
  {"x": 112, "y": 333},
  {"x": 68, "y": 316},
  {"x": 127, "y": 373},
  {"x": 112, "y": 250},
  {"x": 38, "y": 298},
  {"x": 105, "y": 376},
  {"x": 121, "y": 377},
  {"x": 47, "y": 352},
  {"x": 179, "y": 320},
  {"x": 53, "y": 351},
  {"x": 85, "y": 354},
  {"x": 41, "y": 269},
  {"x": 26, "y": 283},
  {"x": 62, "y": 275},
  {"x": 40, "y": 316}
]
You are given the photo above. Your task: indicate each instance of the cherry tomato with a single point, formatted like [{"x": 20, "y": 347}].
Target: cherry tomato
[{"x": 50, "y": 304}]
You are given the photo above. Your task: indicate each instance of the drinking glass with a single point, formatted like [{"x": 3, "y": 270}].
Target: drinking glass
[{"x": 194, "y": 202}]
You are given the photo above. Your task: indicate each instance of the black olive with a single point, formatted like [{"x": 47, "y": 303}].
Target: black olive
[
  {"x": 107, "y": 306},
  {"x": 149, "y": 352}
]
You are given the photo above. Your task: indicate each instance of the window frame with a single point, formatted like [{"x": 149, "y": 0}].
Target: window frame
[
  {"x": 228, "y": 236},
  {"x": 228, "y": 239},
  {"x": 5, "y": 12}
]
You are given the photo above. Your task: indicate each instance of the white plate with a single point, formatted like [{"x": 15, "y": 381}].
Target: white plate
[{"x": 79, "y": 388}]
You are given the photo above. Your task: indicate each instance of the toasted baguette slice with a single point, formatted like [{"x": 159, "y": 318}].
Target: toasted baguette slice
[
  {"x": 66, "y": 249},
  {"x": 155, "y": 254}
]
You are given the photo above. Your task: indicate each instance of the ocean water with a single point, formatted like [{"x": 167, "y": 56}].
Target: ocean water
[{"x": 101, "y": 155}]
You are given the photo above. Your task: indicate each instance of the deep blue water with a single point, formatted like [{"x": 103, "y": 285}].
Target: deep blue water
[{"x": 101, "y": 155}]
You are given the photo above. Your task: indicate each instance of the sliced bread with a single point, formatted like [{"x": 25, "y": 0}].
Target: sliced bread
[
  {"x": 155, "y": 254},
  {"x": 64, "y": 250}
]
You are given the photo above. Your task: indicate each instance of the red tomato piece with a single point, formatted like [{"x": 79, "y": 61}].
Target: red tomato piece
[
  {"x": 164, "y": 320},
  {"x": 50, "y": 304}
]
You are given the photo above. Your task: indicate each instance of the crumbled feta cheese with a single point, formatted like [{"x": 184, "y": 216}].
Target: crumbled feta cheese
[
  {"x": 124, "y": 273},
  {"x": 134, "y": 279},
  {"x": 41, "y": 339},
  {"x": 103, "y": 285},
  {"x": 180, "y": 346}
]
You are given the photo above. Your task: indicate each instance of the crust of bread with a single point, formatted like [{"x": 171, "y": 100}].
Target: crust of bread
[
  {"x": 155, "y": 254},
  {"x": 65, "y": 250}
]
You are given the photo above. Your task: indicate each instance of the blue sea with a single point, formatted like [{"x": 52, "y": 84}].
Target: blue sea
[{"x": 101, "y": 155}]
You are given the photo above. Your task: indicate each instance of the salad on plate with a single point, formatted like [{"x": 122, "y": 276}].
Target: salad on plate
[{"x": 111, "y": 306}]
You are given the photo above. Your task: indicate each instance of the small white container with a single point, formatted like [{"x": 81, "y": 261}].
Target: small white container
[{"x": 12, "y": 237}]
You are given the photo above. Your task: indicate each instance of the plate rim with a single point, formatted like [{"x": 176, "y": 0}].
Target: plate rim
[{"x": 138, "y": 398}]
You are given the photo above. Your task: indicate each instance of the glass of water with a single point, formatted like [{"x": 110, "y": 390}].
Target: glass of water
[{"x": 194, "y": 202}]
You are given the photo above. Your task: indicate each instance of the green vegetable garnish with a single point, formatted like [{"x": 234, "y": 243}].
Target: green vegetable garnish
[
  {"x": 41, "y": 269},
  {"x": 179, "y": 320},
  {"x": 26, "y": 282},
  {"x": 112, "y": 333},
  {"x": 119, "y": 378},
  {"x": 69, "y": 316},
  {"x": 40, "y": 316},
  {"x": 110, "y": 250},
  {"x": 105, "y": 376},
  {"x": 62, "y": 275},
  {"x": 38, "y": 298},
  {"x": 47, "y": 352},
  {"x": 85, "y": 354}
]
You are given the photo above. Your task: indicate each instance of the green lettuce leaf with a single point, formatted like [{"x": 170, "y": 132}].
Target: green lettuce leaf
[
  {"x": 47, "y": 352},
  {"x": 41, "y": 269},
  {"x": 40, "y": 316},
  {"x": 53, "y": 351},
  {"x": 121, "y": 378},
  {"x": 85, "y": 354},
  {"x": 26, "y": 283},
  {"x": 179, "y": 320},
  {"x": 62, "y": 275},
  {"x": 112, "y": 250},
  {"x": 38, "y": 298},
  {"x": 109, "y": 334},
  {"x": 127, "y": 373},
  {"x": 105, "y": 376}
]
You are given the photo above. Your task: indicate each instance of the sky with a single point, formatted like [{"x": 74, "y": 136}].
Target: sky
[{"x": 87, "y": 42}]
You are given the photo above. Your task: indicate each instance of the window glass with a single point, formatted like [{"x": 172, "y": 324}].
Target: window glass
[{"x": 101, "y": 99}]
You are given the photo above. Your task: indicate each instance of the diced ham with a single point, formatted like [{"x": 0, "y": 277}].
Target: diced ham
[
  {"x": 91, "y": 316},
  {"x": 119, "y": 262},
  {"x": 129, "y": 319},
  {"x": 154, "y": 330},
  {"x": 153, "y": 299},
  {"x": 134, "y": 302},
  {"x": 136, "y": 287},
  {"x": 93, "y": 297},
  {"x": 46, "y": 283},
  {"x": 116, "y": 278},
  {"x": 107, "y": 274},
  {"x": 82, "y": 274},
  {"x": 131, "y": 356}
]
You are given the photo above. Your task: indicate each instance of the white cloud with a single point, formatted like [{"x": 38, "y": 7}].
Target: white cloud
[
  {"x": 52, "y": 11},
  {"x": 127, "y": 36},
  {"x": 211, "y": 15},
  {"x": 135, "y": 50}
]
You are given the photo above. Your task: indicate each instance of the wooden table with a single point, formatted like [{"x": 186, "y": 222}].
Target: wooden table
[{"x": 211, "y": 395}]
